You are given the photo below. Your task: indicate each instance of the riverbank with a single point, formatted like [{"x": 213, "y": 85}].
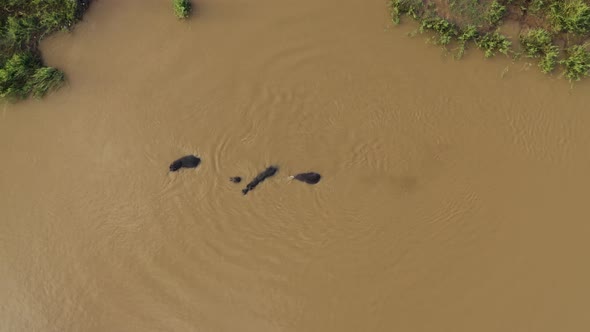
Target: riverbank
[
  {"x": 23, "y": 24},
  {"x": 554, "y": 33}
]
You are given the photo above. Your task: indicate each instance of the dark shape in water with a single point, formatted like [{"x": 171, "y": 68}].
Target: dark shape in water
[
  {"x": 235, "y": 179},
  {"x": 270, "y": 171},
  {"x": 311, "y": 177},
  {"x": 189, "y": 161}
]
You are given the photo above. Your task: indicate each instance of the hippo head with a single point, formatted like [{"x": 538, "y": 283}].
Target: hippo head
[{"x": 175, "y": 166}]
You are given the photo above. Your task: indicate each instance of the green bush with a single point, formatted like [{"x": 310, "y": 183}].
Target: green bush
[
  {"x": 535, "y": 41},
  {"x": 536, "y": 6},
  {"x": 19, "y": 32},
  {"x": 29, "y": 20},
  {"x": 23, "y": 23},
  {"x": 44, "y": 80},
  {"x": 495, "y": 12},
  {"x": 549, "y": 60},
  {"x": 494, "y": 42},
  {"x": 15, "y": 75},
  {"x": 577, "y": 63},
  {"x": 538, "y": 43},
  {"x": 412, "y": 8},
  {"x": 469, "y": 34},
  {"x": 570, "y": 16},
  {"x": 182, "y": 8},
  {"x": 445, "y": 29}
]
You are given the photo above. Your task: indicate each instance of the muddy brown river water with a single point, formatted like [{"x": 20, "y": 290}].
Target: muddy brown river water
[{"x": 454, "y": 194}]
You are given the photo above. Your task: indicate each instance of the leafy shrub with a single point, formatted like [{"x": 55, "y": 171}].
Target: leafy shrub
[
  {"x": 549, "y": 60},
  {"x": 494, "y": 42},
  {"x": 44, "y": 80},
  {"x": 495, "y": 12},
  {"x": 182, "y": 8},
  {"x": 15, "y": 74},
  {"x": 535, "y": 41},
  {"x": 577, "y": 63},
  {"x": 23, "y": 23},
  {"x": 470, "y": 33},
  {"x": 445, "y": 29},
  {"x": 570, "y": 16}
]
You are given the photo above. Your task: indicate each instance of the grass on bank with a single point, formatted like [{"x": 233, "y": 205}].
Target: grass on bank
[
  {"x": 23, "y": 23},
  {"x": 552, "y": 31},
  {"x": 495, "y": 12},
  {"x": 570, "y": 16},
  {"x": 538, "y": 43},
  {"x": 182, "y": 8},
  {"x": 577, "y": 62},
  {"x": 23, "y": 75},
  {"x": 493, "y": 42}
]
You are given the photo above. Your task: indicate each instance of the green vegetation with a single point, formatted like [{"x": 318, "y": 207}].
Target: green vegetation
[
  {"x": 495, "y": 12},
  {"x": 44, "y": 80},
  {"x": 570, "y": 16},
  {"x": 23, "y": 23},
  {"x": 535, "y": 41},
  {"x": 577, "y": 63},
  {"x": 549, "y": 60},
  {"x": 445, "y": 29},
  {"x": 448, "y": 31},
  {"x": 182, "y": 8},
  {"x": 493, "y": 42},
  {"x": 412, "y": 8},
  {"x": 538, "y": 43},
  {"x": 468, "y": 11},
  {"x": 552, "y": 31},
  {"x": 470, "y": 33},
  {"x": 16, "y": 74}
]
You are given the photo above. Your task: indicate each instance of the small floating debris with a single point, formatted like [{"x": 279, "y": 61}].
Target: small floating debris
[{"x": 235, "y": 179}]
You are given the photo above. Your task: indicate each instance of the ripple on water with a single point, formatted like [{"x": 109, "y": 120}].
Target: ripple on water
[
  {"x": 292, "y": 57},
  {"x": 259, "y": 229},
  {"x": 543, "y": 135}
]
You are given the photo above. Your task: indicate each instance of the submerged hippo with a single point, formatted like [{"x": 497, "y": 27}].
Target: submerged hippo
[
  {"x": 311, "y": 177},
  {"x": 235, "y": 179},
  {"x": 189, "y": 161},
  {"x": 270, "y": 171}
]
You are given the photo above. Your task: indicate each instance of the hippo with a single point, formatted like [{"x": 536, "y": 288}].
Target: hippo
[
  {"x": 235, "y": 179},
  {"x": 189, "y": 161},
  {"x": 310, "y": 177},
  {"x": 270, "y": 171}
]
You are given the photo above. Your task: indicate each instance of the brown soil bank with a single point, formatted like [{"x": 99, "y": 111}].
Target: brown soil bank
[{"x": 553, "y": 31}]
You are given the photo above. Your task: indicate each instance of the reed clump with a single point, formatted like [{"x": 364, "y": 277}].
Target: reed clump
[{"x": 23, "y": 24}]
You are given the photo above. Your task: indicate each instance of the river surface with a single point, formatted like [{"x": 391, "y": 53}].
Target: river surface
[{"x": 454, "y": 194}]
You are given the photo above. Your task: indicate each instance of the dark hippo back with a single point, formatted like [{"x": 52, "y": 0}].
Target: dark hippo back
[
  {"x": 270, "y": 171},
  {"x": 311, "y": 177},
  {"x": 189, "y": 161},
  {"x": 235, "y": 179}
]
